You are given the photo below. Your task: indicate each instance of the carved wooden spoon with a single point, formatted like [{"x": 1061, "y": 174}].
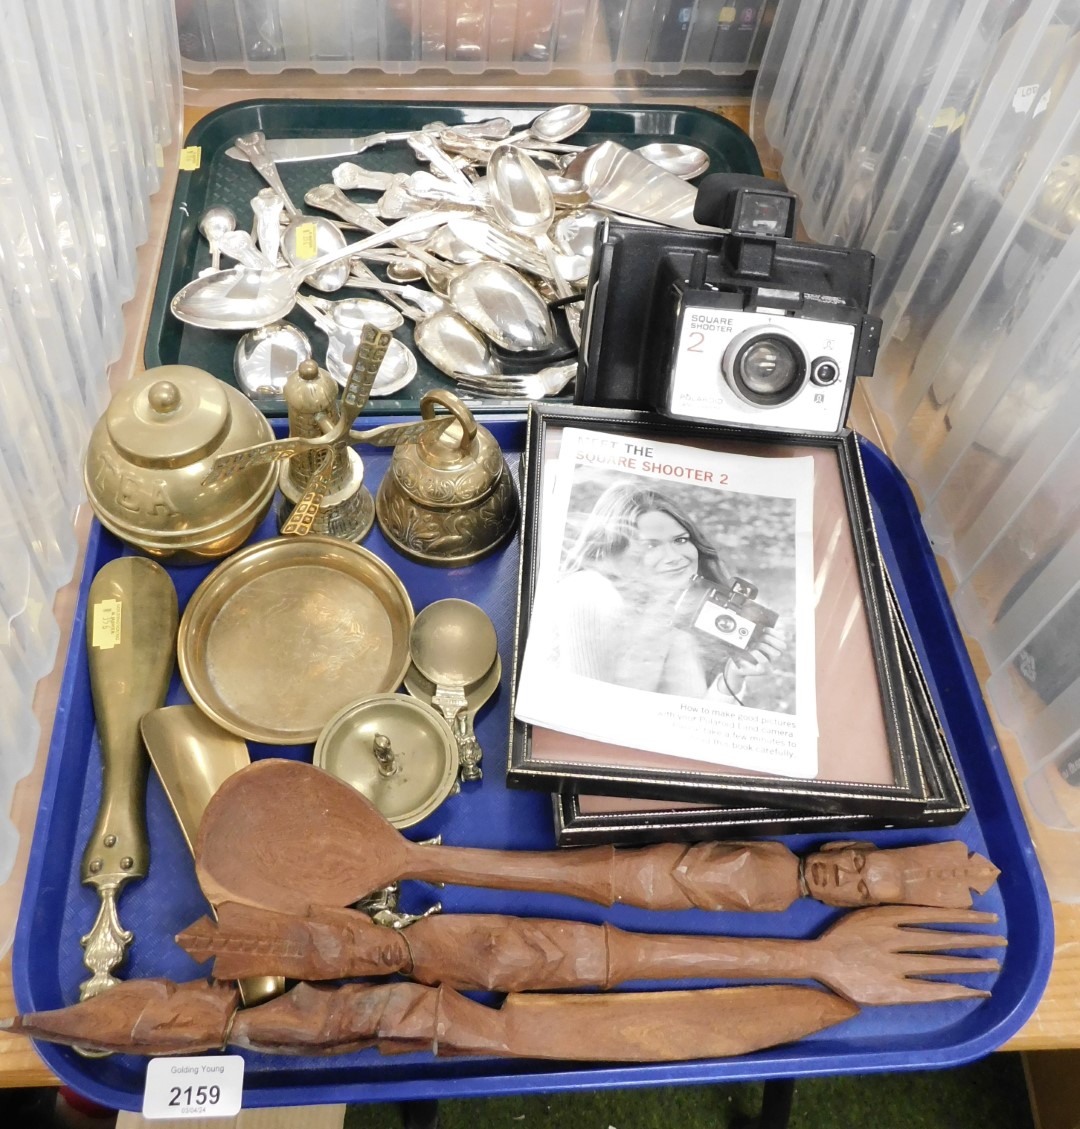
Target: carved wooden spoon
[{"x": 286, "y": 835}]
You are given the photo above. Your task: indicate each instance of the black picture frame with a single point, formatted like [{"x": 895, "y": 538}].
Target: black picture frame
[
  {"x": 947, "y": 801},
  {"x": 908, "y": 793}
]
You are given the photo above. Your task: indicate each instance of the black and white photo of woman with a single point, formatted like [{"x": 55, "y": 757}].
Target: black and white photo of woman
[{"x": 636, "y": 561}]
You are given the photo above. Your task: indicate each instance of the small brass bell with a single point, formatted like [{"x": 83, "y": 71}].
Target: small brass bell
[
  {"x": 448, "y": 497},
  {"x": 347, "y": 510}
]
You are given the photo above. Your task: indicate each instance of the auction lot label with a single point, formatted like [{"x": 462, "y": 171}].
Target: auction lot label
[{"x": 207, "y": 1086}]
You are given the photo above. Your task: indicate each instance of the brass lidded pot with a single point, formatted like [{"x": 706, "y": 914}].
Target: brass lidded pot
[
  {"x": 447, "y": 497},
  {"x": 396, "y": 750},
  {"x": 150, "y": 451}
]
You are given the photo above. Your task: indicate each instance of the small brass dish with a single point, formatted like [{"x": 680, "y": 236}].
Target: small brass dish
[
  {"x": 395, "y": 750},
  {"x": 285, "y": 633}
]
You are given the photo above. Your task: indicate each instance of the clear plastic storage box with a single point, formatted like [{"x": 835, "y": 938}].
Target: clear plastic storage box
[
  {"x": 596, "y": 37},
  {"x": 959, "y": 167}
]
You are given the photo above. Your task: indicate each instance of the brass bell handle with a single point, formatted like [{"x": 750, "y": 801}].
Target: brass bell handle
[{"x": 455, "y": 407}]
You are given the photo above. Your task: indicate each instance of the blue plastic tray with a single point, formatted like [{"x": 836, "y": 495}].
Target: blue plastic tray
[{"x": 57, "y": 910}]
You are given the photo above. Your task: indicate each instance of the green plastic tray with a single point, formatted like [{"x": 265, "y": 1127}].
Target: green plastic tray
[{"x": 221, "y": 180}]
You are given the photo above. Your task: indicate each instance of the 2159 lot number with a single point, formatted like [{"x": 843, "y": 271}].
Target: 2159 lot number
[{"x": 194, "y": 1095}]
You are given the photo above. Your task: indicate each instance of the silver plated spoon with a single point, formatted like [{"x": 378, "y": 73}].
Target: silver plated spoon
[
  {"x": 213, "y": 224},
  {"x": 307, "y": 237},
  {"x": 246, "y": 297},
  {"x": 503, "y": 306},
  {"x": 683, "y": 161},
  {"x": 265, "y": 358},
  {"x": 522, "y": 201}
]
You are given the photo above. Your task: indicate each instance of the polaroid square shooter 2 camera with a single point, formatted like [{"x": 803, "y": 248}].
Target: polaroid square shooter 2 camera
[
  {"x": 741, "y": 326},
  {"x": 730, "y": 615}
]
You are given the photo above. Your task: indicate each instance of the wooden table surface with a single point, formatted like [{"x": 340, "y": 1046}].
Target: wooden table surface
[{"x": 1056, "y": 1022}]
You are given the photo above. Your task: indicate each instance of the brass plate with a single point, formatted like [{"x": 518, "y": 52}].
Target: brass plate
[
  {"x": 286, "y": 632},
  {"x": 424, "y": 750}
]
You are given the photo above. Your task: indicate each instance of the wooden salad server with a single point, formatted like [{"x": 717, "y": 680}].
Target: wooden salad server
[
  {"x": 286, "y": 835},
  {"x": 155, "y": 1017},
  {"x": 877, "y": 955},
  {"x": 131, "y": 625}
]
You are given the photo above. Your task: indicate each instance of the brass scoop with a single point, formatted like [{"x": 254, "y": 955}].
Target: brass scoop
[
  {"x": 454, "y": 647},
  {"x": 193, "y": 757}
]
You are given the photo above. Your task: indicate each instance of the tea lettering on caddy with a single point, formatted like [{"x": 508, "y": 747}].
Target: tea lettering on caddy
[{"x": 131, "y": 493}]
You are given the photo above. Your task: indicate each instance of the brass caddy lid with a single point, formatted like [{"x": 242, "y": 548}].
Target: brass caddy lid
[
  {"x": 394, "y": 749},
  {"x": 174, "y": 415}
]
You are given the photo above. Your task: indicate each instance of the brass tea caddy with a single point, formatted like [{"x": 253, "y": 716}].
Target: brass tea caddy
[
  {"x": 150, "y": 452},
  {"x": 447, "y": 497}
]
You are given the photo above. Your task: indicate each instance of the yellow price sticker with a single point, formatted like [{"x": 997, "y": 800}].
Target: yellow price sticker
[
  {"x": 949, "y": 119},
  {"x": 105, "y": 633},
  {"x": 306, "y": 238},
  {"x": 190, "y": 158}
]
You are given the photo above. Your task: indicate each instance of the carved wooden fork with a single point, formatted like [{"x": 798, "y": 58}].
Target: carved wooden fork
[{"x": 878, "y": 955}]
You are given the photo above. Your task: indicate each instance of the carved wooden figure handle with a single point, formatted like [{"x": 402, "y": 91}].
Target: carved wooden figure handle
[{"x": 668, "y": 876}]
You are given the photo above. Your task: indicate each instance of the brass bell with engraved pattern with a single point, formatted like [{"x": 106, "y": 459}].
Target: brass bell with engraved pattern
[{"x": 448, "y": 497}]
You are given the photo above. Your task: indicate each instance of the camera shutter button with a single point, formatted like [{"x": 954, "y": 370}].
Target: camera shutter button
[{"x": 824, "y": 371}]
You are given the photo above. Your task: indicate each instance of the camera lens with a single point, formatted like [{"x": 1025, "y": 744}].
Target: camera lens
[
  {"x": 765, "y": 368},
  {"x": 725, "y": 624},
  {"x": 824, "y": 371}
]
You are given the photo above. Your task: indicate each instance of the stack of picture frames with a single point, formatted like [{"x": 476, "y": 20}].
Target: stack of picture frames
[{"x": 708, "y": 643}]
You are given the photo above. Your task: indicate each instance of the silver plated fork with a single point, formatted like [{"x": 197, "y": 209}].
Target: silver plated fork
[{"x": 525, "y": 386}]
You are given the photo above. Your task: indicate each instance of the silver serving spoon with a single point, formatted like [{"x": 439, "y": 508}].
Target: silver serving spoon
[
  {"x": 265, "y": 358},
  {"x": 453, "y": 345},
  {"x": 246, "y": 297},
  {"x": 307, "y": 237}
]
